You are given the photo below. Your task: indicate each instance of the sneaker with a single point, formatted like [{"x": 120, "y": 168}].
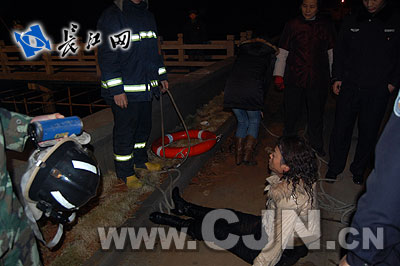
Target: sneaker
[
  {"x": 149, "y": 166},
  {"x": 133, "y": 182}
]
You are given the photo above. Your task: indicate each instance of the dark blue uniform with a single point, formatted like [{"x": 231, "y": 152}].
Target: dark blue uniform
[
  {"x": 135, "y": 71},
  {"x": 379, "y": 207}
]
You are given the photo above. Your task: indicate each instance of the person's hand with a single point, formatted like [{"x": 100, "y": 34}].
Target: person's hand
[
  {"x": 279, "y": 84},
  {"x": 47, "y": 117},
  {"x": 337, "y": 85},
  {"x": 164, "y": 86},
  {"x": 391, "y": 88},
  {"x": 121, "y": 100},
  {"x": 343, "y": 261}
]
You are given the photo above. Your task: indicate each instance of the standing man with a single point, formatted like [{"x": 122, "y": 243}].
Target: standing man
[
  {"x": 366, "y": 71},
  {"x": 17, "y": 242},
  {"x": 131, "y": 76},
  {"x": 302, "y": 69}
]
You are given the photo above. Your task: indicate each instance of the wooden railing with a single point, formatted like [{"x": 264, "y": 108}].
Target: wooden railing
[{"x": 84, "y": 65}]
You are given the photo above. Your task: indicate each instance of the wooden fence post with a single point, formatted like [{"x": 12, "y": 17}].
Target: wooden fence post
[
  {"x": 230, "y": 45},
  {"x": 47, "y": 63},
  {"x": 181, "y": 51},
  {"x": 249, "y": 34},
  {"x": 243, "y": 36},
  {"x": 3, "y": 58}
]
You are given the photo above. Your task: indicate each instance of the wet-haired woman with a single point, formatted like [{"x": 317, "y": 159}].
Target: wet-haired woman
[{"x": 266, "y": 239}]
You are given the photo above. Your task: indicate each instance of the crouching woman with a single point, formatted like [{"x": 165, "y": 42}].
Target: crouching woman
[{"x": 279, "y": 235}]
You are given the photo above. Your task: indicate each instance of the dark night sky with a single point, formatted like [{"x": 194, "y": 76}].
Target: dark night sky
[{"x": 221, "y": 16}]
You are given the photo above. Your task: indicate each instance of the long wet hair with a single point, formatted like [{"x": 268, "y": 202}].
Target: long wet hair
[{"x": 302, "y": 162}]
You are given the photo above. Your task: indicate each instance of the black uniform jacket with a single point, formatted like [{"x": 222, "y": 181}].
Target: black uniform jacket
[{"x": 367, "y": 52}]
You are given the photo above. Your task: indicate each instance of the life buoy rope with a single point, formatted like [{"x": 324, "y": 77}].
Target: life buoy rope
[{"x": 180, "y": 152}]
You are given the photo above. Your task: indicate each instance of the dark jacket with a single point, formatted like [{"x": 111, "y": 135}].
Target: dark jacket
[
  {"x": 379, "y": 208},
  {"x": 136, "y": 70},
  {"x": 248, "y": 80},
  {"x": 367, "y": 52},
  {"x": 307, "y": 42}
]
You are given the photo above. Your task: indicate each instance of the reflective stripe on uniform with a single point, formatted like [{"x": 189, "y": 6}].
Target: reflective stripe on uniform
[
  {"x": 143, "y": 35},
  {"x": 162, "y": 70},
  {"x": 135, "y": 37},
  {"x": 140, "y": 145},
  {"x": 123, "y": 158},
  {"x": 147, "y": 34},
  {"x": 154, "y": 83},
  {"x": 135, "y": 88},
  {"x": 111, "y": 83}
]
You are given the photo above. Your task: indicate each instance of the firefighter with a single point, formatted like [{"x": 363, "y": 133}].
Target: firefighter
[{"x": 132, "y": 74}]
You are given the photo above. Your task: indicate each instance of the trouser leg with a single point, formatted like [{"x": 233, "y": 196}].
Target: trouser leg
[
  {"x": 247, "y": 234},
  {"x": 125, "y": 120},
  {"x": 254, "y": 123},
  {"x": 142, "y": 132},
  {"x": 345, "y": 116},
  {"x": 293, "y": 102},
  {"x": 372, "y": 111},
  {"x": 315, "y": 99},
  {"x": 243, "y": 122}
]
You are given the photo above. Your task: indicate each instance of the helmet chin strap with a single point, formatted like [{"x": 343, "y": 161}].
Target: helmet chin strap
[
  {"x": 60, "y": 231},
  {"x": 60, "y": 217}
]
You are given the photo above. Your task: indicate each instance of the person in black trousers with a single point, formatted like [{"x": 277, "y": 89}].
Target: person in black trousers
[
  {"x": 131, "y": 76},
  {"x": 291, "y": 186},
  {"x": 302, "y": 70},
  {"x": 366, "y": 70}
]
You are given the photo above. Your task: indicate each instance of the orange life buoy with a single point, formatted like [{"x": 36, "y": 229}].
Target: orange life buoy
[{"x": 180, "y": 152}]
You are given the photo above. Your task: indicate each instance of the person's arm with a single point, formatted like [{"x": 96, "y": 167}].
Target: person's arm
[
  {"x": 162, "y": 71},
  {"x": 280, "y": 64},
  {"x": 109, "y": 58},
  {"x": 331, "y": 37},
  {"x": 339, "y": 53},
  {"x": 378, "y": 209},
  {"x": 283, "y": 229},
  {"x": 394, "y": 78},
  {"x": 330, "y": 58},
  {"x": 15, "y": 127}
]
